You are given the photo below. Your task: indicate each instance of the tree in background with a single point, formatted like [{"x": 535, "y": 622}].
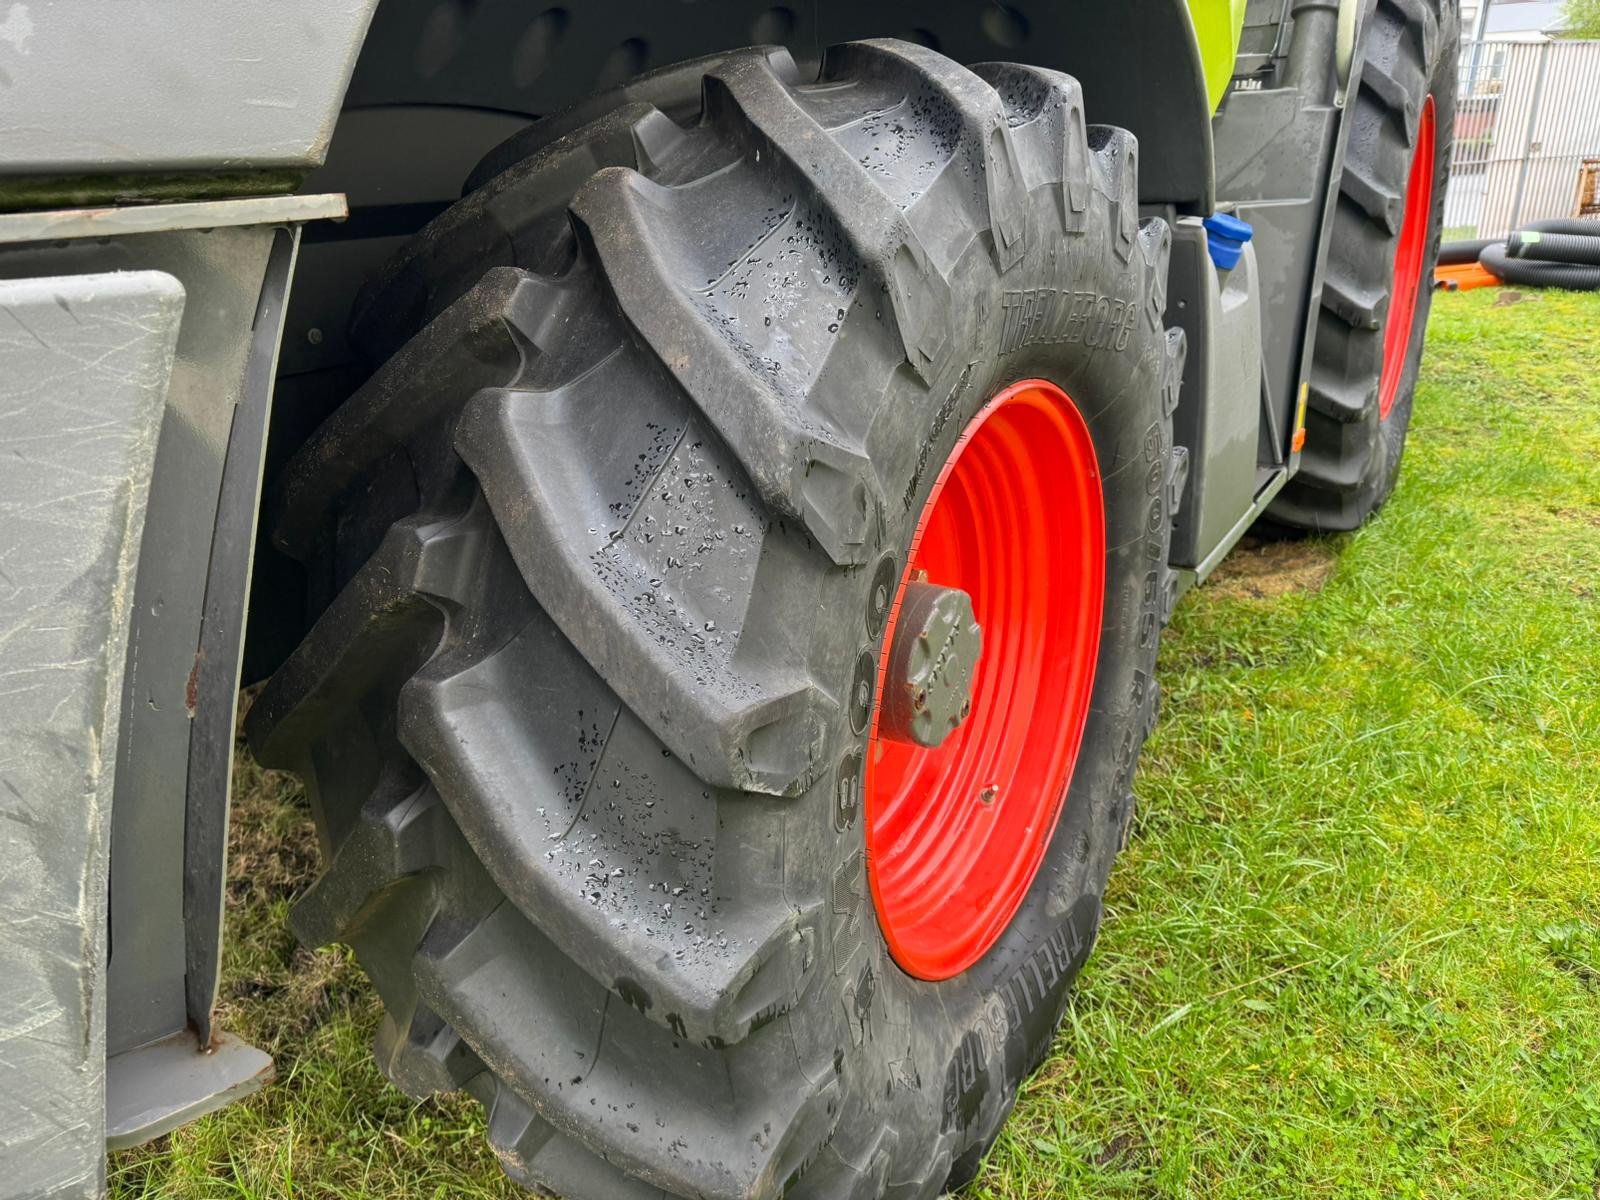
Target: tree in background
[{"x": 1580, "y": 19}]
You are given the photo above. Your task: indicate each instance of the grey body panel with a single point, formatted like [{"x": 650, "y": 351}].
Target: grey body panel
[
  {"x": 86, "y": 366},
  {"x": 1272, "y": 166},
  {"x": 184, "y": 85},
  {"x": 1219, "y": 411}
]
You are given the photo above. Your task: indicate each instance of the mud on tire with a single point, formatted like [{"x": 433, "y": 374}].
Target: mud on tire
[{"x": 595, "y": 549}]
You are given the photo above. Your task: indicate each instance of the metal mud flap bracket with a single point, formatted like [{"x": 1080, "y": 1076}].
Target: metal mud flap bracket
[{"x": 138, "y": 347}]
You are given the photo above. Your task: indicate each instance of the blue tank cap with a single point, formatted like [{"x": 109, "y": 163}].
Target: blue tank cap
[{"x": 1225, "y": 238}]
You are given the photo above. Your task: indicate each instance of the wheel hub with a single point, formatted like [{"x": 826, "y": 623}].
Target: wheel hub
[{"x": 927, "y": 690}]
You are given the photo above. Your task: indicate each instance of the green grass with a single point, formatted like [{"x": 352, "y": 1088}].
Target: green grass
[{"x": 1354, "y": 947}]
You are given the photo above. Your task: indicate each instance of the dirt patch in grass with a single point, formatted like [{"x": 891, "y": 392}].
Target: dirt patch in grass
[
  {"x": 1119, "y": 1149},
  {"x": 1586, "y": 516},
  {"x": 1265, "y": 570}
]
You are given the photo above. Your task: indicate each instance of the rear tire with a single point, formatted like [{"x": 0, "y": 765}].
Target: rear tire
[
  {"x": 1357, "y": 412},
  {"x": 601, "y": 546}
]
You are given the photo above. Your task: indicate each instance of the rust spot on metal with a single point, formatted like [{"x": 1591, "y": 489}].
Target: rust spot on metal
[{"x": 213, "y": 1043}]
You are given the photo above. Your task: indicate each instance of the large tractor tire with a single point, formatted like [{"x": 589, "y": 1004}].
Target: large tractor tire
[
  {"x": 1377, "y": 288},
  {"x": 739, "y": 440}
]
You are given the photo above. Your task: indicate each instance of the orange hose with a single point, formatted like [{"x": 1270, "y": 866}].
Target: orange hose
[{"x": 1465, "y": 276}]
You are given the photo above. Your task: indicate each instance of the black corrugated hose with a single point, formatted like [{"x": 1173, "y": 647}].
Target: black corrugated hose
[
  {"x": 1557, "y": 253},
  {"x": 1459, "y": 254}
]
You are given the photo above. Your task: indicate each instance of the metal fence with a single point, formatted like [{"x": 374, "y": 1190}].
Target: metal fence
[{"x": 1527, "y": 136}]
